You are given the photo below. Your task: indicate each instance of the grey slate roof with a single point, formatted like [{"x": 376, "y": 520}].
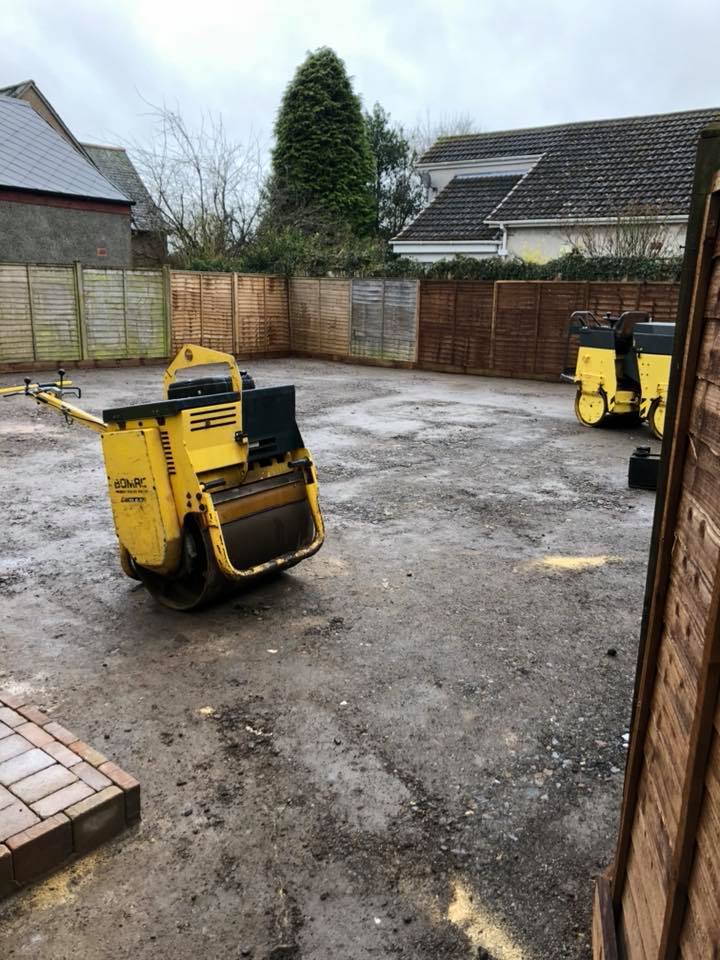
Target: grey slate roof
[
  {"x": 594, "y": 169},
  {"x": 28, "y": 88},
  {"x": 458, "y": 211},
  {"x": 116, "y": 165},
  {"x": 34, "y": 157}
]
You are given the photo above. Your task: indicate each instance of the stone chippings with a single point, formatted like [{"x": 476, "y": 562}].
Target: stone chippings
[{"x": 59, "y": 797}]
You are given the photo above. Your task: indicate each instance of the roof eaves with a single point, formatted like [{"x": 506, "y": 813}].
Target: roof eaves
[
  {"x": 32, "y": 191},
  {"x": 580, "y": 220}
]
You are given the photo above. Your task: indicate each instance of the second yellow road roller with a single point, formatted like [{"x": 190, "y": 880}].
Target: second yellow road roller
[
  {"x": 622, "y": 369},
  {"x": 210, "y": 487}
]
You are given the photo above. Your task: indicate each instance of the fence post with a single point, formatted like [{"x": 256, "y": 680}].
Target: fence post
[
  {"x": 417, "y": 323},
  {"x": 496, "y": 284},
  {"x": 80, "y": 304},
  {"x": 538, "y": 300},
  {"x": 202, "y": 324},
  {"x": 125, "y": 315},
  {"x": 167, "y": 308},
  {"x": 350, "y": 313},
  {"x": 695, "y": 272},
  {"x": 291, "y": 339},
  {"x": 266, "y": 337},
  {"x": 30, "y": 309},
  {"x": 233, "y": 312}
]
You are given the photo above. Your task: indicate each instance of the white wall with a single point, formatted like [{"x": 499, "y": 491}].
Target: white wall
[
  {"x": 426, "y": 252},
  {"x": 539, "y": 244}
]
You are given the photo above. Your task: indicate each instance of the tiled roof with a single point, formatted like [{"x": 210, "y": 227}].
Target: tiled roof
[
  {"x": 596, "y": 169},
  {"x": 35, "y": 157},
  {"x": 116, "y": 165},
  {"x": 458, "y": 211}
]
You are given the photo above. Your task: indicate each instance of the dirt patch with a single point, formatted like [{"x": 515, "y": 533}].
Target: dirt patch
[{"x": 411, "y": 744}]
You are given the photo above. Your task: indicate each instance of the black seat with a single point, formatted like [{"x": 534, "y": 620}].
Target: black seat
[{"x": 269, "y": 422}]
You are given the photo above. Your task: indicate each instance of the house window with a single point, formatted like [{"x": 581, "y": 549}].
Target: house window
[{"x": 101, "y": 251}]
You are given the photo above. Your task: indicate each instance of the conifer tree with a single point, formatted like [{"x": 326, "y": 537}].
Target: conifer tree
[{"x": 322, "y": 162}]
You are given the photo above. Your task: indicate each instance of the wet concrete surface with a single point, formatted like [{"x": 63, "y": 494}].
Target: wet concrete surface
[{"x": 409, "y": 745}]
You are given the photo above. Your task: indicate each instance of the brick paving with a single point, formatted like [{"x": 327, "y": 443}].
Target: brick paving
[{"x": 59, "y": 797}]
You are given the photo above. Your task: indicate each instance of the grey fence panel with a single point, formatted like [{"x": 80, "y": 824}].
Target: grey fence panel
[
  {"x": 399, "y": 339},
  {"x": 16, "y": 332},
  {"x": 145, "y": 312},
  {"x": 55, "y": 316},
  {"x": 105, "y": 318},
  {"x": 366, "y": 327}
]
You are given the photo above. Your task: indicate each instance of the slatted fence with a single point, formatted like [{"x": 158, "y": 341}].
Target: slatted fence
[
  {"x": 320, "y": 316},
  {"x": 262, "y": 316},
  {"x": 507, "y": 328},
  {"x": 61, "y": 314},
  {"x": 661, "y": 900},
  {"x": 231, "y": 312},
  {"x": 384, "y": 320},
  {"x": 519, "y": 328}
]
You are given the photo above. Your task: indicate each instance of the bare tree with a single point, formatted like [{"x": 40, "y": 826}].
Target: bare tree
[
  {"x": 639, "y": 231},
  {"x": 428, "y": 129},
  {"x": 207, "y": 186}
]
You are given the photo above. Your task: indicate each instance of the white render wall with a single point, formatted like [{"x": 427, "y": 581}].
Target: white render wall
[{"x": 540, "y": 244}]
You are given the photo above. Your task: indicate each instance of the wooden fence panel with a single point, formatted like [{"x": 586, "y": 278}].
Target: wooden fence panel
[
  {"x": 399, "y": 321},
  {"x": 216, "y": 311},
  {"x": 666, "y": 882},
  {"x": 277, "y": 314},
  {"x": 436, "y": 347},
  {"x": 685, "y": 621},
  {"x": 517, "y": 305},
  {"x": 305, "y": 323},
  {"x": 145, "y": 312},
  {"x": 16, "y": 333},
  {"x": 366, "y": 329},
  {"x": 384, "y": 320},
  {"x": 262, "y": 323},
  {"x": 249, "y": 334},
  {"x": 104, "y": 302},
  {"x": 557, "y": 302},
  {"x": 186, "y": 325},
  {"x": 55, "y": 314},
  {"x": 472, "y": 346},
  {"x": 516, "y": 327},
  {"x": 124, "y": 314},
  {"x": 320, "y": 316}
]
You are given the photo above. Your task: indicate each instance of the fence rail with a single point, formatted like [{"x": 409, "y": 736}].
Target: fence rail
[{"x": 506, "y": 328}]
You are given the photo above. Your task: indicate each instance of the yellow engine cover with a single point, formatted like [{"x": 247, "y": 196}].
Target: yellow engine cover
[{"x": 141, "y": 498}]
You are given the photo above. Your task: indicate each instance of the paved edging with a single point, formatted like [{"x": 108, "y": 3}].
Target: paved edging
[{"x": 59, "y": 797}]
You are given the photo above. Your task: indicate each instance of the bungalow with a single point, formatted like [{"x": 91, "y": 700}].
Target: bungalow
[{"x": 536, "y": 193}]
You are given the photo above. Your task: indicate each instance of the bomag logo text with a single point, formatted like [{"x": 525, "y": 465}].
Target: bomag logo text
[{"x": 130, "y": 483}]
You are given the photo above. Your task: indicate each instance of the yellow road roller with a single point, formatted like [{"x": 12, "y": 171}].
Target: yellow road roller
[
  {"x": 210, "y": 487},
  {"x": 622, "y": 368}
]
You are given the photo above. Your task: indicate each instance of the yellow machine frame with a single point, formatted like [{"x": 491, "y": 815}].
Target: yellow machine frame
[
  {"x": 599, "y": 373},
  {"x": 163, "y": 470}
]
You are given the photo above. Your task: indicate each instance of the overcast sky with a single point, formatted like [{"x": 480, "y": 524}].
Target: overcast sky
[{"x": 505, "y": 63}]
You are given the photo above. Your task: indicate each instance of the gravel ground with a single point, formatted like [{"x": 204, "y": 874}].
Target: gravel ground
[{"x": 409, "y": 745}]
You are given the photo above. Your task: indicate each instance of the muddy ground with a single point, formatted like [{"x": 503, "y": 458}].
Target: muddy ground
[{"x": 409, "y": 745}]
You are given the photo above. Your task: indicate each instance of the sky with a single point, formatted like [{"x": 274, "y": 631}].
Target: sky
[{"x": 506, "y": 64}]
